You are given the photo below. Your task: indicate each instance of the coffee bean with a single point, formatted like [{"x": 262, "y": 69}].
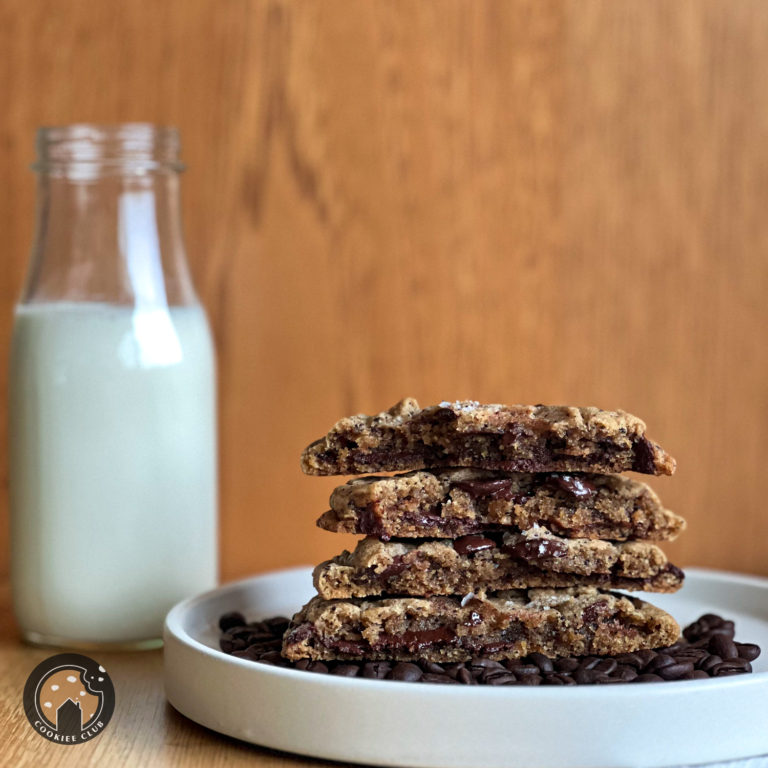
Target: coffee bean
[
  {"x": 699, "y": 674},
  {"x": 559, "y": 678},
  {"x": 231, "y": 619},
  {"x": 724, "y": 647},
  {"x": 584, "y": 676},
  {"x": 503, "y": 678},
  {"x": 530, "y": 680},
  {"x": 524, "y": 669},
  {"x": 589, "y": 662},
  {"x": 645, "y": 656},
  {"x": 606, "y": 680},
  {"x": 606, "y": 666},
  {"x": 648, "y": 678},
  {"x": 444, "y": 679},
  {"x": 405, "y": 671},
  {"x": 676, "y": 671},
  {"x": 631, "y": 659},
  {"x": 275, "y": 657},
  {"x": 625, "y": 672},
  {"x": 730, "y": 665},
  {"x": 662, "y": 660},
  {"x": 376, "y": 670},
  {"x": 346, "y": 670},
  {"x": 542, "y": 662},
  {"x": 748, "y": 651},
  {"x": 465, "y": 677},
  {"x": 486, "y": 664},
  {"x": 568, "y": 664},
  {"x": 452, "y": 670},
  {"x": 432, "y": 667},
  {"x": 277, "y": 625}
]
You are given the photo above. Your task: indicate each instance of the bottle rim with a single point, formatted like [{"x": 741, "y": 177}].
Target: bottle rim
[{"x": 92, "y": 149}]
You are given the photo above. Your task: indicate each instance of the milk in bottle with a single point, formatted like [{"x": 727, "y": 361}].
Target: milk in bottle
[{"x": 112, "y": 398}]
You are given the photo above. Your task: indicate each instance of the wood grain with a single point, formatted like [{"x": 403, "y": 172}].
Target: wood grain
[{"x": 520, "y": 201}]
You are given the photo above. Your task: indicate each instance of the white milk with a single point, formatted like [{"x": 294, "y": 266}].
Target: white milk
[{"x": 113, "y": 468}]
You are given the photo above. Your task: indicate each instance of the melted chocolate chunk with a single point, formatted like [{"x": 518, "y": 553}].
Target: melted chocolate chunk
[
  {"x": 398, "y": 566},
  {"x": 416, "y": 640},
  {"x": 643, "y": 461},
  {"x": 472, "y": 543},
  {"x": 535, "y": 550},
  {"x": 499, "y": 488},
  {"x": 592, "y": 613},
  {"x": 574, "y": 485}
]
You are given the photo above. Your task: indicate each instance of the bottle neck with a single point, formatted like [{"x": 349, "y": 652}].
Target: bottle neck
[{"x": 108, "y": 218}]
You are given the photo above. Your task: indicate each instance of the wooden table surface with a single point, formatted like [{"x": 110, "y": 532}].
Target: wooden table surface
[{"x": 144, "y": 731}]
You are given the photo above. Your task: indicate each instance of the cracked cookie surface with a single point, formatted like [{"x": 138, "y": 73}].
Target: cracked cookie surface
[{"x": 515, "y": 438}]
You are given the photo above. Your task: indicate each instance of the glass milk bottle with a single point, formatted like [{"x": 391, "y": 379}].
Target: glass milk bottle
[{"x": 112, "y": 397}]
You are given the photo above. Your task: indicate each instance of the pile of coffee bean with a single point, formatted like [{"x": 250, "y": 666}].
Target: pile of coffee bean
[{"x": 707, "y": 649}]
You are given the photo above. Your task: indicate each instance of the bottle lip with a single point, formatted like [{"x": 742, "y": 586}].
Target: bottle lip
[{"x": 90, "y": 149}]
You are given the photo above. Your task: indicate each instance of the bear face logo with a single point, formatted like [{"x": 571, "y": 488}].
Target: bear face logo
[{"x": 69, "y": 698}]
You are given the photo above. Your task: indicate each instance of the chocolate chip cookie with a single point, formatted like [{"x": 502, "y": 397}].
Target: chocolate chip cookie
[
  {"x": 455, "y": 502},
  {"x": 512, "y": 624},
  {"x": 514, "y": 438},
  {"x": 492, "y": 562}
]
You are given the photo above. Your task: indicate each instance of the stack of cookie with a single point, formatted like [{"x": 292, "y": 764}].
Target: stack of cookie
[{"x": 503, "y": 538}]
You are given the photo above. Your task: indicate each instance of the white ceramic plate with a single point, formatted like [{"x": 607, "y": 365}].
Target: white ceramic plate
[{"x": 435, "y": 726}]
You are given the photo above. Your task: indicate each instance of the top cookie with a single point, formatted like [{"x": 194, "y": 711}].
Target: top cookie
[{"x": 515, "y": 438}]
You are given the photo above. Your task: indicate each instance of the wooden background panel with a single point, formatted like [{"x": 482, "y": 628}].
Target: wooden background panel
[{"x": 513, "y": 201}]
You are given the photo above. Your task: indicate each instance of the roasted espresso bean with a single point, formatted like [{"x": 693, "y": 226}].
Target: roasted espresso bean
[
  {"x": 443, "y": 679},
  {"x": 748, "y": 651},
  {"x": 487, "y": 664},
  {"x": 277, "y": 625},
  {"x": 452, "y": 670},
  {"x": 231, "y": 619},
  {"x": 312, "y": 666},
  {"x": 568, "y": 664},
  {"x": 465, "y": 677},
  {"x": 662, "y": 660},
  {"x": 542, "y": 662},
  {"x": 559, "y": 678},
  {"x": 346, "y": 670},
  {"x": 606, "y": 666},
  {"x": 606, "y": 680},
  {"x": 584, "y": 676},
  {"x": 699, "y": 674},
  {"x": 275, "y": 657},
  {"x": 530, "y": 680},
  {"x": 524, "y": 669},
  {"x": 648, "y": 678},
  {"x": 489, "y": 674},
  {"x": 645, "y": 656},
  {"x": 630, "y": 659},
  {"x": 376, "y": 670},
  {"x": 625, "y": 672},
  {"x": 731, "y": 665},
  {"x": 676, "y": 671},
  {"x": 724, "y": 647},
  {"x": 432, "y": 667},
  {"x": 708, "y": 662},
  {"x": 503, "y": 678},
  {"x": 405, "y": 671}
]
